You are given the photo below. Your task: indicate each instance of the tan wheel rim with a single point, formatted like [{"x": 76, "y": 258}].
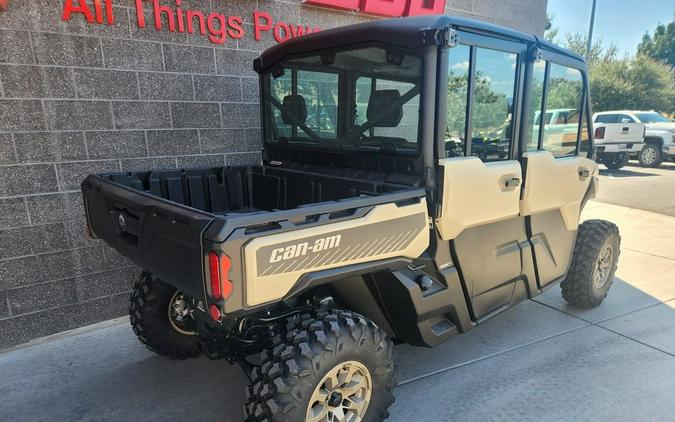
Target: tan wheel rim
[
  {"x": 603, "y": 266},
  {"x": 178, "y": 311},
  {"x": 343, "y": 395}
]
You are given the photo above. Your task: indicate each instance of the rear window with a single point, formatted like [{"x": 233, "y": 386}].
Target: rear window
[{"x": 363, "y": 99}]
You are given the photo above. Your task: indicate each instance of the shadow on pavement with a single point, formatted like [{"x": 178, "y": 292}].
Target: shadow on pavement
[
  {"x": 625, "y": 173},
  {"x": 541, "y": 348}
]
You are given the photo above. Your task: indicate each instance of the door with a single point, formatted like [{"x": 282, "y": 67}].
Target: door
[
  {"x": 480, "y": 178},
  {"x": 557, "y": 170}
]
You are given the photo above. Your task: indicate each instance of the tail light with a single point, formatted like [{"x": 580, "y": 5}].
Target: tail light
[
  {"x": 599, "y": 132},
  {"x": 219, "y": 268}
]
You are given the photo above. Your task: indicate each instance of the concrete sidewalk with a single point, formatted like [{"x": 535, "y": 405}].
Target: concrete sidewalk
[{"x": 541, "y": 360}]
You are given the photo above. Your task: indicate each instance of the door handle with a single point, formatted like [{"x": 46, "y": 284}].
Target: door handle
[
  {"x": 512, "y": 183},
  {"x": 625, "y": 129},
  {"x": 584, "y": 172}
]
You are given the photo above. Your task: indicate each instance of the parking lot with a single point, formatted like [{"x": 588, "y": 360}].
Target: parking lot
[
  {"x": 541, "y": 360},
  {"x": 649, "y": 189}
]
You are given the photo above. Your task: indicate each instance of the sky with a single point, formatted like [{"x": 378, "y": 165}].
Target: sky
[{"x": 622, "y": 22}]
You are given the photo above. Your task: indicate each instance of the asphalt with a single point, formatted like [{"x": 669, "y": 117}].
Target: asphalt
[
  {"x": 540, "y": 360},
  {"x": 649, "y": 189}
]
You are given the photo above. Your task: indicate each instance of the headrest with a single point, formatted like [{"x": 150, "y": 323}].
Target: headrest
[
  {"x": 294, "y": 110},
  {"x": 381, "y": 110}
]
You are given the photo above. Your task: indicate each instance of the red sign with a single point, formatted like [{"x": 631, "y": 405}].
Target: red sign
[
  {"x": 3, "y": 4},
  {"x": 389, "y": 8},
  {"x": 217, "y": 27}
]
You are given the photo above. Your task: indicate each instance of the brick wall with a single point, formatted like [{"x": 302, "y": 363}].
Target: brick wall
[{"x": 77, "y": 99}]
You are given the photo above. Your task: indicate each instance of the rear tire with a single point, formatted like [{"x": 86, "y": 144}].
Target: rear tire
[
  {"x": 151, "y": 321},
  {"x": 650, "y": 156},
  {"x": 616, "y": 161},
  {"x": 596, "y": 254},
  {"x": 306, "y": 372}
]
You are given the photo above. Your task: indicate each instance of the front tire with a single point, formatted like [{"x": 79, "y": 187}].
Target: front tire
[
  {"x": 333, "y": 365},
  {"x": 596, "y": 254},
  {"x": 650, "y": 156},
  {"x": 150, "y": 313}
]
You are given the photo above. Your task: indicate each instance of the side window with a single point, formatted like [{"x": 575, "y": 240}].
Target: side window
[
  {"x": 492, "y": 117},
  {"x": 606, "y": 118},
  {"x": 584, "y": 142},
  {"x": 458, "y": 90},
  {"x": 539, "y": 72},
  {"x": 564, "y": 97}
]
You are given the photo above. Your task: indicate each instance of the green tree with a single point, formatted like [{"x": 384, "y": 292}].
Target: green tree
[
  {"x": 599, "y": 53},
  {"x": 638, "y": 83},
  {"x": 661, "y": 46},
  {"x": 550, "y": 31}
]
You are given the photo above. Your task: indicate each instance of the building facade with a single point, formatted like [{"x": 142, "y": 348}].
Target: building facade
[{"x": 127, "y": 85}]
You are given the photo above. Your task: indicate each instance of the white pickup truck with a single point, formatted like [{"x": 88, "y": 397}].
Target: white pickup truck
[
  {"x": 617, "y": 136},
  {"x": 659, "y": 135}
]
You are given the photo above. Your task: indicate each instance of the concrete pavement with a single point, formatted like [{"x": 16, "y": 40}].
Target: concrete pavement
[{"x": 541, "y": 360}]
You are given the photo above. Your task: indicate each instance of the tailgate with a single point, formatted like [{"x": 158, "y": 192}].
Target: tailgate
[
  {"x": 623, "y": 132},
  {"x": 158, "y": 235}
]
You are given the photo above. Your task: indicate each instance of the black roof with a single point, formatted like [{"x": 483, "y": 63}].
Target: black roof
[{"x": 402, "y": 32}]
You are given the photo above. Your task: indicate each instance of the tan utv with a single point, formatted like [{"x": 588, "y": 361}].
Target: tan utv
[{"x": 407, "y": 193}]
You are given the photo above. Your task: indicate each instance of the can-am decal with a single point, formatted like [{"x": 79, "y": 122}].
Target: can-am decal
[{"x": 301, "y": 249}]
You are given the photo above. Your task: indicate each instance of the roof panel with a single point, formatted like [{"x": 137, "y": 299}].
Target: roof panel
[{"x": 402, "y": 32}]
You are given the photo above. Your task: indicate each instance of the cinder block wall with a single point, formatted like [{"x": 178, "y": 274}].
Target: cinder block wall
[{"x": 78, "y": 98}]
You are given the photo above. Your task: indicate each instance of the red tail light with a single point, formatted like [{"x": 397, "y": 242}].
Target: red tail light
[
  {"x": 599, "y": 132},
  {"x": 219, "y": 267}
]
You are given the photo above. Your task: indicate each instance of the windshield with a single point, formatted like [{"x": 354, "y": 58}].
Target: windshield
[
  {"x": 363, "y": 99},
  {"x": 651, "y": 118}
]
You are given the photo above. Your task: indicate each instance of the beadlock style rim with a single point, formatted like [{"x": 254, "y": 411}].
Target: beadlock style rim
[
  {"x": 178, "y": 311},
  {"x": 343, "y": 395},
  {"x": 603, "y": 266}
]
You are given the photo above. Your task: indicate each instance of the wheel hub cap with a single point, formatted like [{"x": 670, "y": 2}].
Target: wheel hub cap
[
  {"x": 342, "y": 395},
  {"x": 603, "y": 266},
  {"x": 648, "y": 155}
]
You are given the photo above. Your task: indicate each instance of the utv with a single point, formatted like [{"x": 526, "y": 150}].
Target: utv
[{"x": 371, "y": 220}]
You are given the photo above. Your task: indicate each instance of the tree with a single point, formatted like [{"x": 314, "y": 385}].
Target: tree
[
  {"x": 550, "y": 31},
  {"x": 661, "y": 46},
  {"x": 639, "y": 83},
  {"x": 599, "y": 53}
]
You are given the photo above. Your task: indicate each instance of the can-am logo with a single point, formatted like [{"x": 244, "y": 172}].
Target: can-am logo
[
  {"x": 301, "y": 249},
  {"x": 389, "y": 8}
]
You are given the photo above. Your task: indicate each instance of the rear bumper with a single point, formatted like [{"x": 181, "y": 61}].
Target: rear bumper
[{"x": 629, "y": 147}]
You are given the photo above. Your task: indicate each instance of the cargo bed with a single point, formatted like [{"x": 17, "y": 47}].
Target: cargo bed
[{"x": 162, "y": 219}]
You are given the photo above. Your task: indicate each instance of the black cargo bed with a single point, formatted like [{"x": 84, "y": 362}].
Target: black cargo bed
[{"x": 157, "y": 219}]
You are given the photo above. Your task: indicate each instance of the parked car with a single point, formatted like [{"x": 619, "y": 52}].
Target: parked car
[
  {"x": 659, "y": 136},
  {"x": 617, "y": 136},
  {"x": 306, "y": 268},
  {"x": 560, "y": 126}
]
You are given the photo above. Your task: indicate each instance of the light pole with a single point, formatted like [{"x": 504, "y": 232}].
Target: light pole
[{"x": 590, "y": 31}]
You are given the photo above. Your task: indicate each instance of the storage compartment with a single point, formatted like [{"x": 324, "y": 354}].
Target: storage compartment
[{"x": 224, "y": 190}]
